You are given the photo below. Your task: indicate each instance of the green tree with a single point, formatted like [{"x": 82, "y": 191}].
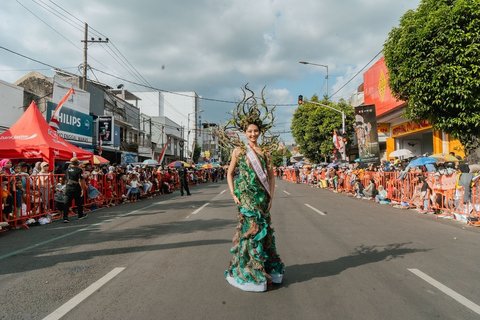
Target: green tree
[
  {"x": 277, "y": 156},
  {"x": 433, "y": 59},
  {"x": 196, "y": 153},
  {"x": 313, "y": 125}
]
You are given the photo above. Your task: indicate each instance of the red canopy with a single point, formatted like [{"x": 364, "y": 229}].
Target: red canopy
[{"x": 32, "y": 138}]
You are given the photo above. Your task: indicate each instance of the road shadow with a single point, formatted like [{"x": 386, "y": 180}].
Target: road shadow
[
  {"x": 44, "y": 260},
  {"x": 362, "y": 255}
]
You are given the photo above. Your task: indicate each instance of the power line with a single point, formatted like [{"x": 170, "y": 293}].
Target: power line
[
  {"x": 356, "y": 74},
  {"x": 61, "y": 35}
]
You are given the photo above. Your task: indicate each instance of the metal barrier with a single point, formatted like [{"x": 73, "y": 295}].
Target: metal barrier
[
  {"x": 25, "y": 197},
  {"x": 425, "y": 191}
]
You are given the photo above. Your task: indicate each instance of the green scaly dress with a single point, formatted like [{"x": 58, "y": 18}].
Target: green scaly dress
[{"x": 254, "y": 253}]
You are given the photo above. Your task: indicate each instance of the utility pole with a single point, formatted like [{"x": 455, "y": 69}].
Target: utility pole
[{"x": 85, "y": 49}]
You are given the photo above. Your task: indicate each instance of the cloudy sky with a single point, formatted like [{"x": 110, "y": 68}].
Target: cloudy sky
[{"x": 212, "y": 47}]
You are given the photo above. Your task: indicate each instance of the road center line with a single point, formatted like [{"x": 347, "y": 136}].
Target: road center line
[
  {"x": 286, "y": 192},
  {"x": 198, "y": 210},
  {"x": 449, "y": 292},
  {"x": 316, "y": 210},
  {"x": 75, "y": 301}
]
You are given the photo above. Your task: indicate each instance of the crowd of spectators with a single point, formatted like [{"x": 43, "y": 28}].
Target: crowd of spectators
[
  {"x": 35, "y": 193},
  {"x": 448, "y": 189}
]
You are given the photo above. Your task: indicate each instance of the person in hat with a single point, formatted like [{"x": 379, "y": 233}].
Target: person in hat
[
  {"x": 183, "y": 175},
  {"x": 74, "y": 189}
]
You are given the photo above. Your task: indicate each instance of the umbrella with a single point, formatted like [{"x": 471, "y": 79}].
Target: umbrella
[
  {"x": 178, "y": 164},
  {"x": 150, "y": 162},
  {"x": 474, "y": 168},
  {"x": 207, "y": 166},
  {"x": 421, "y": 161},
  {"x": 99, "y": 160},
  {"x": 401, "y": 153},
  {"x": 444, "y": 157}
]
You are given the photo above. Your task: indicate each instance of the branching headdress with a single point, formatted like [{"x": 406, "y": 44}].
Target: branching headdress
[{"x": 249, "y": 111}]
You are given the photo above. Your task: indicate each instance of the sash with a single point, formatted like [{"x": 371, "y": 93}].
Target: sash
[{"x": 257, "y": 167}]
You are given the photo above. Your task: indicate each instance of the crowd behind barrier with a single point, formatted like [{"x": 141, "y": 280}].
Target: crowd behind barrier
[
  {"x": 448, "y": 192},
  {"x": 36, "y": 195}
]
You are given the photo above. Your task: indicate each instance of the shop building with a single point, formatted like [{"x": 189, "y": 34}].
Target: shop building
[{"x": 397, "y": 131}]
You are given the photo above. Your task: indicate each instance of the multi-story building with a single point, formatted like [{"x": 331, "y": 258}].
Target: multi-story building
[{"x": 182, "y": 108}]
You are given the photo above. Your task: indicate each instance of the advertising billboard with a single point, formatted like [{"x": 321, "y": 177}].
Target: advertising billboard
[
  {"x": 367, "y": 134},
  {"x": 73, "y": 125},
  {"x": 105, "y": 130}
]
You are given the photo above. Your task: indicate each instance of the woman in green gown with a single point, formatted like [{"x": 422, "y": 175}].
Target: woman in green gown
[{"x": 255, "y": 260}]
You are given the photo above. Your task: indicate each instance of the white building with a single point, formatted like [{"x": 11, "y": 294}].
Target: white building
[
  {"x": 180, "y": 107},
  {"x": 11, "y": 104}
]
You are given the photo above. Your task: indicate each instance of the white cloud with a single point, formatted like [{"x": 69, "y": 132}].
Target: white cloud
[{"x": 212, "y": 47}]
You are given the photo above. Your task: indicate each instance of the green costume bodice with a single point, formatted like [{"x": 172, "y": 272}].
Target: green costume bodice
[{"x": 248, "y": 189}]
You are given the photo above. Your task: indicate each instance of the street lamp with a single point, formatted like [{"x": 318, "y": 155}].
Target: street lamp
[
  {"x": 326, "y": 106},
  {"x": 188, "y": 127},
  {"x": 318, "y": 65},
  {"x": 301, "y": 101}
]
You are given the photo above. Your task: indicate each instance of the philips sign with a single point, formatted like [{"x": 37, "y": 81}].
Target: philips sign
[{"x": 74, "y": 125}]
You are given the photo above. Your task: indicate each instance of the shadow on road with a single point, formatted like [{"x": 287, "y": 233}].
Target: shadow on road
[
  {"x": 42, "y": 257},
  {"x": 361, "y": 256},
  {"x": 39, "y": 261}
]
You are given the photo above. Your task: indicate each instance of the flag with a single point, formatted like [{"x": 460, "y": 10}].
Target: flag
[
  {"x": 54, "y": 122},
  {"x": 99, "y": 145},
  {"x": 162, "y": 154},
  {"x": 336, "y": 140}
]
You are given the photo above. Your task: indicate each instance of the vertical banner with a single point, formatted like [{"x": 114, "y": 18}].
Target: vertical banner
[
  {"x": 367, "y": 134},
  {"x": 105, "y": 130}
]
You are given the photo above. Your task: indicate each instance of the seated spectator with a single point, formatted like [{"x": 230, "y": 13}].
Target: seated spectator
[
  {"x": 370, "y": 191},
  {"x": 382, "y": 196}
]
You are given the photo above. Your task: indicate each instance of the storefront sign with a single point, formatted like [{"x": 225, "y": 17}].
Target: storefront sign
[
  {"x": 376, "y": 88},
  {"x": 410, "y": 127},
  {"x": 367, "y": 134},
  {"x": 74, "y": 125},
  {"x": 383, "y": 128}
]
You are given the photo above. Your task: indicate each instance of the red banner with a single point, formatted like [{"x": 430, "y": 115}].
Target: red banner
[
  {"x": 54, "y": 119},
  {"x": 162, "y": 154}
]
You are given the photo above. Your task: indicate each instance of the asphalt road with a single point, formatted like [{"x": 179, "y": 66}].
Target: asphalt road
[{"x": 164, "y": 258}]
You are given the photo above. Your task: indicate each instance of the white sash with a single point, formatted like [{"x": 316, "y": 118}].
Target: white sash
[{"x": 257, "y": 167}]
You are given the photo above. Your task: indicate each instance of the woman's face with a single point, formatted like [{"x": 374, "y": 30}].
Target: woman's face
[{"x": 252, "y": 133}]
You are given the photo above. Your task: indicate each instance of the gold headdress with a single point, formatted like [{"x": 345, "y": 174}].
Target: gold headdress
[{"x": 249, "y": 111}]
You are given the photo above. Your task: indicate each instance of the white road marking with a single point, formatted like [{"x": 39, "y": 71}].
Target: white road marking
[
  {"x": 75, "y": 301},
  {"x": 286, "y": 192},
  {"x": 13, "y": 253},
  {"x": 449, "y": 292},
  {"x": 223, "y": 191},
  {"x": 199, "y": 209},
  {"x": 316, "y": 210}
]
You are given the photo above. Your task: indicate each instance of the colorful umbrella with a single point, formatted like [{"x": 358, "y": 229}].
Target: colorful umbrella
[
  {"x": 444, "y": 157},
  {"x": 178, "y": 164},
  {"x": 422, "y": 161},
  {"x": 150, "y": 162},
  {"x": 99, "y": 159}
]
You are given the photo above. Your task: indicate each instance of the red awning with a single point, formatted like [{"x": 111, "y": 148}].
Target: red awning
[{"x": 32, "y": 138}]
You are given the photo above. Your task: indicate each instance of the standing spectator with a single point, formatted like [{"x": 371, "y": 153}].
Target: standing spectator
[
  {"x": 74, "y": 189},
  {"x": 20, "y": 198},
  {"x": 44, "y": 185},
  {"x": 59, "y": 195},
  {"x": 7, "y": 201},
  {"x": 184, "y": 181}
]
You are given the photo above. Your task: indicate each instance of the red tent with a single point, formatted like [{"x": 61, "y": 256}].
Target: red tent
[{"x": 32, "y": 138}]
